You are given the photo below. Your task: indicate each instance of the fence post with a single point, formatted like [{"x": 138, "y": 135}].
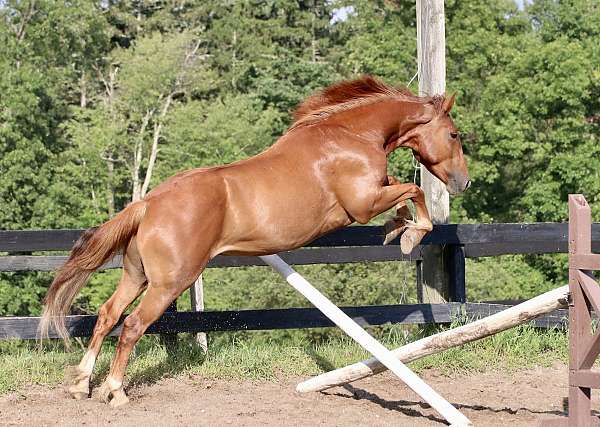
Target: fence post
[
  {"x": 431, "y": 51},
  {"x": 584, "y": 342},
  {"x": 579, "y": 315},
  {"x": 170, "y": 340},
  {"x": 197, "y": 300},
  {"x": 455, "y": 257}
]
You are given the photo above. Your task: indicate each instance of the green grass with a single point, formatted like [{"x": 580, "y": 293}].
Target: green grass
[{"x": 257, "y": 357}]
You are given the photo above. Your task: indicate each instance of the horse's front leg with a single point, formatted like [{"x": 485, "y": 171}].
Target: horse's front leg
[{"x": 396, "y": 194}]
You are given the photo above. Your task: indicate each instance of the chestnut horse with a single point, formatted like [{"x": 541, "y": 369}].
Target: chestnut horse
[{"x": 327, "y": 171}]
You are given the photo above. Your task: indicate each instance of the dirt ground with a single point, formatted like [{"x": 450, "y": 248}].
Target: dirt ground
[{"x": 489, "y": 399}]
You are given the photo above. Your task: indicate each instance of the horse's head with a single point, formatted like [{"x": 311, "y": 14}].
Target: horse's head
[{"x": 436, "y": 144}]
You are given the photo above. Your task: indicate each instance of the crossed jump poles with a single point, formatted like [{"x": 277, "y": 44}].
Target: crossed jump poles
[
  {"x": 582, "y": 295},
  {"x": 362, "y": 337}
]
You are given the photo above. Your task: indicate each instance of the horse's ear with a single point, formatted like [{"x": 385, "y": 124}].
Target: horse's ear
[{"x": 448, "y": 103}]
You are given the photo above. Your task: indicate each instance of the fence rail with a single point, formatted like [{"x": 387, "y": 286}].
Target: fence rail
[
  {"x": 352, "y": 244},
  {"x": 478, "y": 239},
  {"x": 285, "y": 318},
  {"x": 325, "y": 255}
]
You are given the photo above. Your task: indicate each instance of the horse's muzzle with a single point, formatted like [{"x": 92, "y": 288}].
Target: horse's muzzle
[{"x": 457, "y": 186}]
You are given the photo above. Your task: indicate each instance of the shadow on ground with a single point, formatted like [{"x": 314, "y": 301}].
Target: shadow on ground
[
  {"x": 407, "y": 407},
  {"x": 180, "y": 355}
]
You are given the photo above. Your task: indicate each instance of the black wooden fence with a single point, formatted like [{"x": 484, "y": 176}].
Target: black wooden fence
[{"x": 350, "y": 245}]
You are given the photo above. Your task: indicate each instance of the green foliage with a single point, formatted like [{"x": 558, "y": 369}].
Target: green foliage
[
  {"x": 26, "y": 298},
  {"x": 89, "y": 90},
  {"x": 527, "y": 107},
  {"x": 518, "y": 348},
  {"x": 200, "y": 133},
  {"x": 257, "y": 287},
  {"x": 504, "y": 278},
  {"x": 29, "y": 136},
  {"x": 381, "y": 40}
]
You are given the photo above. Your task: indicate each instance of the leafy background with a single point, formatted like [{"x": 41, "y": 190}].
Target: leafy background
[{"x": 89, "y": 90}]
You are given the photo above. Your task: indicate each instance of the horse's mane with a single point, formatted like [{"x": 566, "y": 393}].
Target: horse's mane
[{"x": 349, "y": 94}]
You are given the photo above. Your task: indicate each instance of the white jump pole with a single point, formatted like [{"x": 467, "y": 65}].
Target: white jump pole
[
  {"x": 344, "y": 322},
  {"x": 506, "y": 319}
]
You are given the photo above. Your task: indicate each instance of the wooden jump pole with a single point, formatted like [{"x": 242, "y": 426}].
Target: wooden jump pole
[
  {"x": 349, "y": 326},
  {"x": 482, "y": 328}
]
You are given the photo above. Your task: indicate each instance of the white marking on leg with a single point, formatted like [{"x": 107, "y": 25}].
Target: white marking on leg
[
  {"x": 113, "y": 384},
  {"x": 86, "y": 366}
]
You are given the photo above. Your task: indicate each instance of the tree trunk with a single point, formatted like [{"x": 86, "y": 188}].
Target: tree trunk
[
  {"x": 110, "y": 167},
  {"x": 21, "y": 30},
  {"x": 83, "y": 90},
  {"x": 154, "y": 149},
  {"x": 137, "y": 159},
  {"x": 313, "y": 37},
  {"x": 233, "y": 60}
]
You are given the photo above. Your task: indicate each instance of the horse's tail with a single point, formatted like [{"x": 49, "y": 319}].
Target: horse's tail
[{"x": 96, "y": 246}]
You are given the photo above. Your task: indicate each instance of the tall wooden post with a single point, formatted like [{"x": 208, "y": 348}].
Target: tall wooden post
[
  {"x": 584, "y": 339},
  {"x": 580, "y": 318},
  {"x": 431, "y": 49}
]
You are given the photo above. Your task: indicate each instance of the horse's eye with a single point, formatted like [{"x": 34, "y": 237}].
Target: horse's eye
[{"x": 453, "y": 135}]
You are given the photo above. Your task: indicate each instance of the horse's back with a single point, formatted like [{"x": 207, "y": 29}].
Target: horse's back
[{"x": 275, "y": 201}]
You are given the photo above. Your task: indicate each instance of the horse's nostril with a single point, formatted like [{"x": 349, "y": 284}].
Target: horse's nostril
[{"x": 468, "y": 184}]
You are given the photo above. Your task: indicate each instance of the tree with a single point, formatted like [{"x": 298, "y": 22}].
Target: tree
[
  {"x": 202, "y": 133},
  {"x": 525, "y": 100},
  {"x": 142, "y": 84},
  {"x": 46, "y": 52}
]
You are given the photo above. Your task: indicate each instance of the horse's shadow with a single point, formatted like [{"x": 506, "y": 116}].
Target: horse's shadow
[
  {"x": 414, "y": 408},
  {"x": 180, "y": 354}
]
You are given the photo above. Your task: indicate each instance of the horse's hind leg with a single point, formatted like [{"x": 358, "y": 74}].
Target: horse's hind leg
[
  {"x": 153, "y": 304},
  {"x": 131, "y": 285}
]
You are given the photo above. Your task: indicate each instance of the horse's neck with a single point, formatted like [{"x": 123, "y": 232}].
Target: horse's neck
[
  {"x": 377, "y": 122},
  {"x": 381, "y": 120}
]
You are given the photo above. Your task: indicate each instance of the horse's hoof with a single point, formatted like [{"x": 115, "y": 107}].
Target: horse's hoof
[
  {"x": 73, "y": 375},
  {"x": 389, "y": 237},
  {"x": 392, "y": 230},
  {"x": 410, "y": 239},
  {"x": 77, "y": 382},
  {"x": 104, "y": 393},
  {"x": 119, "y": 399},
  {"x": 79, "y": 391},
  {"x": 407, "y": 243},
  {"x": 115, "y": 398}
]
